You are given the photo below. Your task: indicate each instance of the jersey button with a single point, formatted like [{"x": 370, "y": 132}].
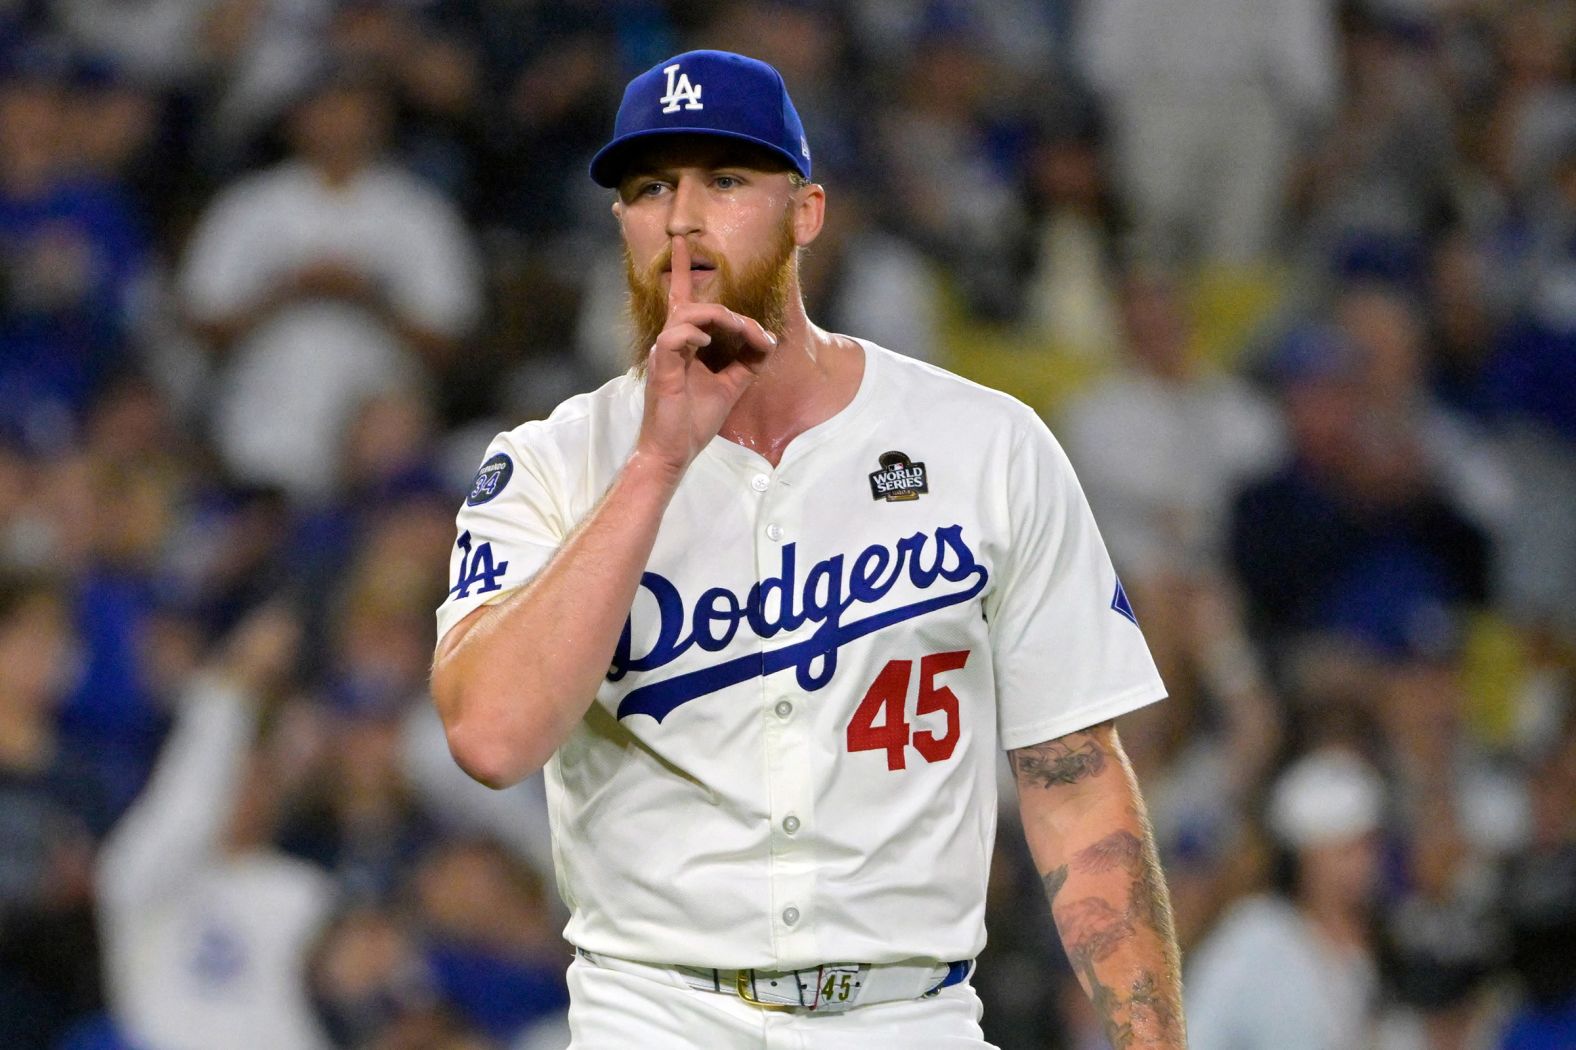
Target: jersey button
[
  {"x": 790, "y": 916},
  {"x": 790, "y": 824},
  {"x": 784, "y": 708},
  {"x": 760, "y": 483},
  {"x": 774, "y": 532}
]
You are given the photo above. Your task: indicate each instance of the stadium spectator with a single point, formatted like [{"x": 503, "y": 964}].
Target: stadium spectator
[
  {"x": 1460, "y": 318},
  {"x": 1441, "y": 940},
  {"x": 71, "y": 252},
  {"x": 128, "y": 484},
  {"x": 1208, "y": 101},
  {"x": 114, "y": 122},
  {"x": 1460, "y": 810},
  {"x": 206, "y": 925},
  {"x": 387, "y": 460},
  {"x": 257, "y": 56},
  {"x": 1162, "y": 443},
  {"x": 1384, "y": 328},
  {"x": 1353, "y": 535},
  {"x": 490, "y": 942},
  {"x": 1444, "y": 777},
  {"x": 335, "y": 266},
  {"x": 1296, "y": 971},
  {"x": 360, "y": 818},
  {"x": 367, "y": 978}
]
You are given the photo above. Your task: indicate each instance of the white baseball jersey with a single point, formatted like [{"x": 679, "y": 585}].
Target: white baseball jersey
[{"x": 792, "y": 760}]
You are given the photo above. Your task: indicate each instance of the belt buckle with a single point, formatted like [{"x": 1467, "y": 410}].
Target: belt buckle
[{"x": 745, "y": 986}]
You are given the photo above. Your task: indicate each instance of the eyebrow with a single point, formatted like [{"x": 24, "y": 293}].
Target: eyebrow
[{"x": 647, "y": 171}]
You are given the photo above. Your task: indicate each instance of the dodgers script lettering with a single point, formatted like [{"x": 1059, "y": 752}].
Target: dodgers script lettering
[{"x": 779, "y": 603}]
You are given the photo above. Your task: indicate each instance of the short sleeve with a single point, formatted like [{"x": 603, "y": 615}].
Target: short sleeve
[
  {"x": 1066, "y": 644},
  {"x": 507, "y": 528},
  {"x": 225, "y": 268},
  {"x": 435, "y": 275}
]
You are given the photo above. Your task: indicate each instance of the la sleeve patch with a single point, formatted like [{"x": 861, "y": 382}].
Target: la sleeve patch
[{"x": 490, "y": 479}]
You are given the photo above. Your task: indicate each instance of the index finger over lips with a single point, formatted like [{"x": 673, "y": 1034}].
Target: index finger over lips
[{"x": 679, "y": 288}]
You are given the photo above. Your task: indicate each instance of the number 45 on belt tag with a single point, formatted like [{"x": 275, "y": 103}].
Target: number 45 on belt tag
[{"x": 835, "y": 986}]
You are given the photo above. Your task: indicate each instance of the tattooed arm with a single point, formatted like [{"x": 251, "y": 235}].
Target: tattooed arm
[{"x": 1092, "y": 843}]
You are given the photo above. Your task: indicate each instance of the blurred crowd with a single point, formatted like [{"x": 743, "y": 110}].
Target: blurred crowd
[{"x": 1294, "y": 281}]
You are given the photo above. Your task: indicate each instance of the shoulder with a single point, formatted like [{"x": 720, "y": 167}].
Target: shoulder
[
  {"x": 254, "y": 201},
  {"x": 928, "y": 387},
  {"x": 266, "y": 187},
  {"x": 1254, "y": 930}
]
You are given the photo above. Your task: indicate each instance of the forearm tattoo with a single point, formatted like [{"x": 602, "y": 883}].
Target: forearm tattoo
[
  {"x": 1120, "y": 849},
  {"x": 1066, "y": 760},
  {"x": 1054, "y": 880},
  {"x": 1095, "y": 928},
  {"x": 1109, "y": 898}
]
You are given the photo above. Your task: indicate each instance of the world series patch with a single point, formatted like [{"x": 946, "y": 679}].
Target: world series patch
[
  {"x": 899, "y": 480},
  {"x": 491, "y": 479}
]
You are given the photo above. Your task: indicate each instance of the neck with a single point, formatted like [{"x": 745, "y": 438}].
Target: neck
[
  {"x": 337, "y": 172},
  {"x": 811, "y": 376},
  {"x": 1339, "y": 924}
]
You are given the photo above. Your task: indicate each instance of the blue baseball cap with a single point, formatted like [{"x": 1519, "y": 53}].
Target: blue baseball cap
[{"x": 714, "y": 93}]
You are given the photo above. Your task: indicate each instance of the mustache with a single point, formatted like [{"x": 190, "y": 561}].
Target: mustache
[{"x": 700, "y": 259}]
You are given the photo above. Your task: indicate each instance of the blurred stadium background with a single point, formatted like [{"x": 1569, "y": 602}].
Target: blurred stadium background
[{"x": 1293, "y": 280}]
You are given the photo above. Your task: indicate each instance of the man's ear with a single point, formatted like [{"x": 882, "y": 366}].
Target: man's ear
[
  {"x": 618, "y": 209},
  {"x": 809, "y": 213}
]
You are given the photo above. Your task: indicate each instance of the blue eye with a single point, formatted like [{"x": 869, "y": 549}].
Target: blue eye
[{"x": 726, "y": 182}]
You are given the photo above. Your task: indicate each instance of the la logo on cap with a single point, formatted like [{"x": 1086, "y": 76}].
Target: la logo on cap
[{"x": 679, "y": 90}]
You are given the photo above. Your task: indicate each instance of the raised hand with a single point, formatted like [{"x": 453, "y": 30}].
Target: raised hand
[
  {"x": 259, "y": 653},
  {"x": 688, "y": 399}
]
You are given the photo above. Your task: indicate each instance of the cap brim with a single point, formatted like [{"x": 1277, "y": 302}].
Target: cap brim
[{"x": 607, "y": 167}]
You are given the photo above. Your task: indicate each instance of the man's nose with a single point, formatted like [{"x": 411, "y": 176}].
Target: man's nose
[{"x": 686, "y": 212}]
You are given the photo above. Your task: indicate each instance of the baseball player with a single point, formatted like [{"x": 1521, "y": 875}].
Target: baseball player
[{"x": 765, "y": 607}]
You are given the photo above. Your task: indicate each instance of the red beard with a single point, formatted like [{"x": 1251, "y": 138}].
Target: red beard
[{"x": 761, "y": 292}]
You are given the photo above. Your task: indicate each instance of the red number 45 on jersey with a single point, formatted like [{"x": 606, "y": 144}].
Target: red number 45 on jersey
[{"x": 886, "y": 699}]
